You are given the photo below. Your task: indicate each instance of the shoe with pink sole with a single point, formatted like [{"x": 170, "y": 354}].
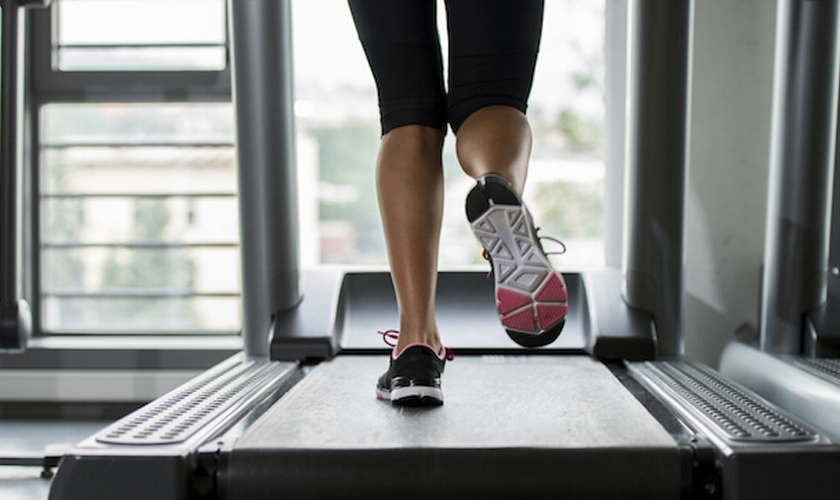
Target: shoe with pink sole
[{"x": 531, "y": 296}]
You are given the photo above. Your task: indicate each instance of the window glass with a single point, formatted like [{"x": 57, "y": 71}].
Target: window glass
[
  {"x": 98, "y": 35},
  {"x": 138, "y": 211},
  {"x": 565, "y": 188},
  {"x": 338, "y": 128},
  {"x": 139, "y": 218}
]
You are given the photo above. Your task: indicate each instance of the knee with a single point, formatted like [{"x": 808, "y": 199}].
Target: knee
[{"x": 414, "y": 142}]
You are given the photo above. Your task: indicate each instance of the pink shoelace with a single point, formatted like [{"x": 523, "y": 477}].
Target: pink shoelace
[{"x": 392, "y": 335}]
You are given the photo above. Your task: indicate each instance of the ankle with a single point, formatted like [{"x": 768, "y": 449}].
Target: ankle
[{"x": 427, "y": 337}]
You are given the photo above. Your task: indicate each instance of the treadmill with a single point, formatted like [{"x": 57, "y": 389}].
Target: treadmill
[
  {"x": 610, "y": 410},
  {"x": 795, "y": 362}
]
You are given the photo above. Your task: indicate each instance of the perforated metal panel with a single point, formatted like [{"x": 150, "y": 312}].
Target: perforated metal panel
[
  {"x": 730, "y": 410},
  {"x": 177, "y": 416},
  {"x": 827, "y": 368}
]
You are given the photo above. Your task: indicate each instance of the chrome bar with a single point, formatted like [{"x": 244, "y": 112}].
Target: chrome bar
[
  {"x": 657, "y": 156},
  {"x": 801, "y": 170},
  {"x": 265, "y": 141}
]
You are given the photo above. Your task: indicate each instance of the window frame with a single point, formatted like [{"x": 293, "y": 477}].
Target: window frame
[
  {"x": 50, "y": 85},
  {"x": 46, "y": 84}
]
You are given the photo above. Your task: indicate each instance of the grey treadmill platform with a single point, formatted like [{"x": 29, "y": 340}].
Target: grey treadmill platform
[{"x": 511, "y": 427}]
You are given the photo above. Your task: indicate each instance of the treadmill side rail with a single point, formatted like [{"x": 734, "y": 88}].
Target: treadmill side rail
[
  {"x": 151, "y": 453},
  {"x": 309, "y": 331},
  {"x": 761, "y": 447},
  {"x": 797, "y": 384},
  {"x": 618, "y": 331}
]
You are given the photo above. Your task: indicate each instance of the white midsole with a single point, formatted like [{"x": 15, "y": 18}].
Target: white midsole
[{"x": 417, "y": 391}]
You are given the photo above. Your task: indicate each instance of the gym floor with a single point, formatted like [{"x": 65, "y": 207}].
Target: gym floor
[{"x": 37, "y": 432}]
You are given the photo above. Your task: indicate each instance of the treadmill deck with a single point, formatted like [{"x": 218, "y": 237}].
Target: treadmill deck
[
  {"x": 490, "y": 402},
  {"x": 509, "y": 425}
]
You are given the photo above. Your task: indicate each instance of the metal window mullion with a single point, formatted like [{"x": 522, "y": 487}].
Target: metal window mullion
[
  {"x": 58, "y": 195},
  {"x": 616, "y": 45},
  {"x": 140, "y": 45},
  {"x": 134, "y": 87},
  {"x": 67, "y": 145},
  {"x": 55, "y": 30},
  {"x": 108, "y": 332},
  {"x": 136, "y": 245},
  {"x": 110, "y": 92},
  {"x": 33, "y": 158},
  {"x": 138, "y": 293},
  {"x": 51, "y": 85}
]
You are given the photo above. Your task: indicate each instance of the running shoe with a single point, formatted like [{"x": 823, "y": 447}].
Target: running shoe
[
  {"x": 413, "y": 377},
  {"x": 531, "y": 296}
]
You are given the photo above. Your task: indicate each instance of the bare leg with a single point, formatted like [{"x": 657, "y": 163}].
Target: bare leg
[
  {"x": 495, "y": 139},
  {"x": 409, "y": 181}
]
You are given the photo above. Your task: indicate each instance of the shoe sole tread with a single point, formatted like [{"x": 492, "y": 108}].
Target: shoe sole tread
[{"x": 531, "y": 296}]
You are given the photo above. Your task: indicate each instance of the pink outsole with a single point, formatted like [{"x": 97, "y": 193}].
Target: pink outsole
[
  {"x": 522, "y": 320},
  {"x": 553, "y": 290},
  {"x": 508, "y": 300},
  {"x": 522, "y": 312},
  {"x": 548, "y": 315}
]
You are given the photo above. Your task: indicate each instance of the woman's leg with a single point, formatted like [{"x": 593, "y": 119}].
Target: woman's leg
[
  {"x": 400, "y": 39},
  {"x": 495, "y": 139},
  {"x": 493, "y": 51},
  {"x": 401, "y": 42},
  {"x": 531, "y": 297},
  {"x": 409, "y": 182}
]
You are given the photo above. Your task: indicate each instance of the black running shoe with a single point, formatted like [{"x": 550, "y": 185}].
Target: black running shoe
[
  {"x": 413, "y": 378},
  {"x": 531, "y": 296}
]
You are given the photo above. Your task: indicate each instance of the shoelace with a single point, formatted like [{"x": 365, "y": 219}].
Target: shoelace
[
  {"x": 549, "y": 238},
  {"x": 389, "y": 335}
]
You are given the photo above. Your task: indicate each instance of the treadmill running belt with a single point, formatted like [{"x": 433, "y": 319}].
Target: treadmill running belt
[{"x": 524, "y": 426}]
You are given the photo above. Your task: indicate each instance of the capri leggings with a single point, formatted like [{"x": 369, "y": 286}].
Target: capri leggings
[{"x": 493, "y": 48}]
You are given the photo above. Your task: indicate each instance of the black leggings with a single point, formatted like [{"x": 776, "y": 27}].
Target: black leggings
[{"x": 493, "y": 48}]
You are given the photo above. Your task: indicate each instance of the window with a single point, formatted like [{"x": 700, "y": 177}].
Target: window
[
  {"x": 96, "y": 35},
  {"x": 136, "y": 179},
  {"x": 139, "y": 216},
  {"x": 338, "y": 133},
  {"x": 566, "y": 180},
  {"x": 136, "y": 219}
]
